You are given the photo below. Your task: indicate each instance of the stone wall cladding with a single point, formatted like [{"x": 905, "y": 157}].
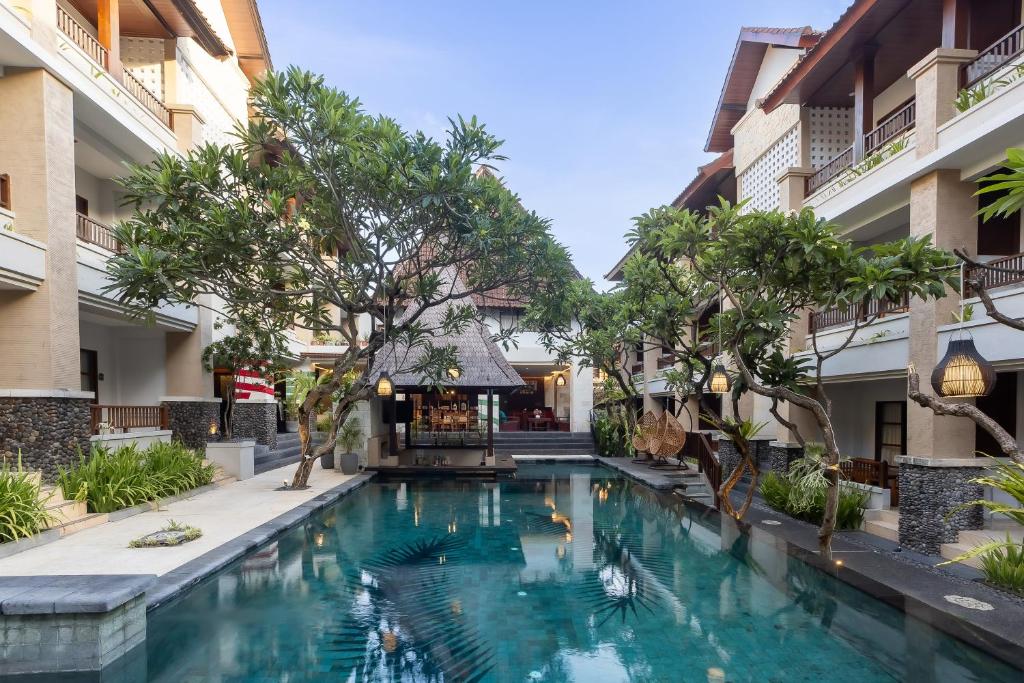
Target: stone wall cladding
[
  {"x": 256, "y": 421},
  {"x": 779, "y": 457},
  {"x": 47, "y": 643},
  {"x": 927, "y": 495},
  {"x": 190, "y": 421},
  {"x": 48, "y": 431},
  {"x": 728, "y": 456}
]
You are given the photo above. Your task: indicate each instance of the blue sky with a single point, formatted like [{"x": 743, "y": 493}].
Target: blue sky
[{"x": 604, "y": 106}]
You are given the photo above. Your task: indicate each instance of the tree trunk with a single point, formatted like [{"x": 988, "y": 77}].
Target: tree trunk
[
  {"x": 828, "y": 520},
  {"x": 229, "y": 410}
]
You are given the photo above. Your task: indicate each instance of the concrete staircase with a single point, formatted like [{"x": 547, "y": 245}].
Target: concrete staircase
[
  {"x": 544, "y": 443},
  {"x": 69, "y": 516},
  {"x": 287, "y": 452},
  {"x": 692, "y": 486},
  {"x": 996, "y": 531},
  {"x": 883, "y": 523}
]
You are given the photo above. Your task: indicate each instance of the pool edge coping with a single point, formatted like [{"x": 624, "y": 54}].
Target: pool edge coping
[
  {"x": 170, "y": 586},
  {"x": 962, "y": 627}
]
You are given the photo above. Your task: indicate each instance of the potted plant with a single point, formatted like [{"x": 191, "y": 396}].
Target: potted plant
[
  {"x": 349, "y": 436},
  {"x": 323, "y": 425}
]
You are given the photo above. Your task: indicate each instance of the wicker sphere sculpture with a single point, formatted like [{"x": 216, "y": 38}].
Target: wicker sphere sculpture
[{"x": 963, "y": 372}]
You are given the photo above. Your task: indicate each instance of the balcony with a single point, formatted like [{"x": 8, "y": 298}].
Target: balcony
[
  {"x": 5, "y": 191},
  {"x": 993, "y": 57},
  {"x": 1002, "y": 271},
  {"x": 889, "y": 130},
  {"x": 839, "y": 316},
  {"x": 97, "y": 233},
  {"x": 81, "y": 37}
]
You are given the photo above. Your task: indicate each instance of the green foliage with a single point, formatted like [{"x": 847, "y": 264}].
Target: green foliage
[
  {"x": 1010, "y": 182},
  {"x": 110, "y": 480},
  {"x": 324, "y": 422},
  {"x": 610, "y": 436},
  {"x": 22, "y": 512},
  {"x": 801, "y": 493},
  {"x": 1004, "y": 565},
  {"x": 1007, "y": 477},
  {"x": 350, "y": 434}
]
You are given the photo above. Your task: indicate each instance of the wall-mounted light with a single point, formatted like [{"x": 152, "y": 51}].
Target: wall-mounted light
[{"x": 560, "y": 381}]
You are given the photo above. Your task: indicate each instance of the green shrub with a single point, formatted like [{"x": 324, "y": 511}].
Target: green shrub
[
  {"x": 323, "y": 422},
  {"x": 802, "y": 491},
  {"x": 22, "y": 513},
  {"x": 113, "y": 480},
  {"x": 1004, "y": 565}
]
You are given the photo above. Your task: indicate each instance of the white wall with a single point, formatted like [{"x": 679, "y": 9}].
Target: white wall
[
  {"x": 892, "y": 97},
  {"x": 853, "y": 412},
  {"x": 777, "y": 61},
  {"x": 131, "y": 360}
]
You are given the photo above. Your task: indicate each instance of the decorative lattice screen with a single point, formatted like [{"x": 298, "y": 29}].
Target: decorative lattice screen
[
  {"x": 144, "y": 57},
  {"x": 831, "y": 132},
  {"x": 759, "y": 183}
]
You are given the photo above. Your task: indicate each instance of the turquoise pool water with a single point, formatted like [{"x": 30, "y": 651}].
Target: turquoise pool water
[{"x": 564, "y": 574}]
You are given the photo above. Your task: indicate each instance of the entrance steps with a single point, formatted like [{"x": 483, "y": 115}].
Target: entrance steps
[
  {"x": 996, "y": 530},
  {"x": 69, "y": 516},
  {"x": 544, "y": 443},
  {"x": 692, "y": 486},
  {"x": 287, "y": 452},
  {"x": 883, "y": 523}
]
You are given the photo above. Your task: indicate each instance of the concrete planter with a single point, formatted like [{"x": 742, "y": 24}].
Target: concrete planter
[
  {"x": 349, "y": 463},
  {"x": 291, "y": 426},
  {"x": 236, "y": 458}
]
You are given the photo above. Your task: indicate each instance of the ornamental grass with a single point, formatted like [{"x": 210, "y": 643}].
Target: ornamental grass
[{"x": 110, "y": 480}]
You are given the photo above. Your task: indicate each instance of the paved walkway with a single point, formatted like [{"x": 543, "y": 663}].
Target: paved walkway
[{"x": 222, "y": 514}]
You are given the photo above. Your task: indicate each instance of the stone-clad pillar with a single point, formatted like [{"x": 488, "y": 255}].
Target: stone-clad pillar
[
  {"x": 194, "y": 420},
  {"x": 255, "y": 419},
  {"x": 930, "y": 488},
  {"x": 46, "y": 429}
]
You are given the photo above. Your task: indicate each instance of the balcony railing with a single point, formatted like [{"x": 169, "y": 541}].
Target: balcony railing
[
  {"x": 81, "y": 37},
  {"x": 124, "y": 418},
  {"x": 147, "y": 98},
  {"x": 96, "y": 233},
  {"x": 5, "y": 191},
  {"x": 837, "y": 165},
  {"x": 837, "y": 316},
  {"x": 666, "y": 361},
  {"x": 1007, "y": 270},
  {"x": 994, "y": 56},
  {"x": 891, "y": 128},
  {"x": 92, "y": 47}
]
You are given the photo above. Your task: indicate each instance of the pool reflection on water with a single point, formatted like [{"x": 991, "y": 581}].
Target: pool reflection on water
[{"x": 564, "y": 574}]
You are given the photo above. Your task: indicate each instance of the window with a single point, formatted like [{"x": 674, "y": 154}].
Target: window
[
  {"x": 890, "y": 430},
  {"x": 81, "y": 205},
  {"x": 1001, "y": 406},
  {"x": 999, "y": 235},
  {"x": 90, "y": 373}
]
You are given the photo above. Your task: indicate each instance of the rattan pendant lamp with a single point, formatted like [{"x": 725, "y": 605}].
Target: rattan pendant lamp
[
  {"x": 720, "y": 382},
  {"x": 963, "y": 372}
]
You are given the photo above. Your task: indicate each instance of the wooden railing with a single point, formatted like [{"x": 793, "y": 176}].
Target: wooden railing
[
  {"x": 888, "y": 130},
  {"x": 637, "y": 368},
  {"x": 124, "y": 418},
  {"x": 146, "y": 97},
  {"x": 837, "y": 165},
  {"x": 666, "y": 361},
  {"x": 81, "y": 37},
  {"x": 873, "y": 473},
  {"x": 994, "y": 56},
  {"x": 96, "y": 233},
  {"x": 5, "y": 191},
  {"x": 707, "y": 462},
  {"x": 1007, "y": 270},
  {"x": 836, "y": 316}
]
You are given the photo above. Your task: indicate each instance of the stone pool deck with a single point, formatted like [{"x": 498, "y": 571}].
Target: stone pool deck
[
  {"x": 952, "y": 599},
  {"x": 79, "y": 603}
]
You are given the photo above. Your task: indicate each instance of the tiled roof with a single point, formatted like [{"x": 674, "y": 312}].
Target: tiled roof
[{"x": 481, "y": 361}]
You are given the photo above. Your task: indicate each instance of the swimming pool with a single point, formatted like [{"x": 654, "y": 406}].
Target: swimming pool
[{"x": 567, "y": 573}]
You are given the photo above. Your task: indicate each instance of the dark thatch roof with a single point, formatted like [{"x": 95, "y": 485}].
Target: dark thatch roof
[{"x": 482, "y": 364}]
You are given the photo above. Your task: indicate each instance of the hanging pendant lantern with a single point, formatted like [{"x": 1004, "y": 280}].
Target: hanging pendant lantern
[
  {"x": 385, "y": 388},
  {"x": 454, "y": 373},
  {"x": 963, "y": 372},
  {"x": 560, "y": 381},
  {"x": 720, "y": 382}
]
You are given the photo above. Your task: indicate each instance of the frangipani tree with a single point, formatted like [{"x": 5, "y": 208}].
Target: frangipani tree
[
  {"x": 771, "y": 267},
  {"x": 321, "y": 215},
  {"x": 578, "y": 322}
]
